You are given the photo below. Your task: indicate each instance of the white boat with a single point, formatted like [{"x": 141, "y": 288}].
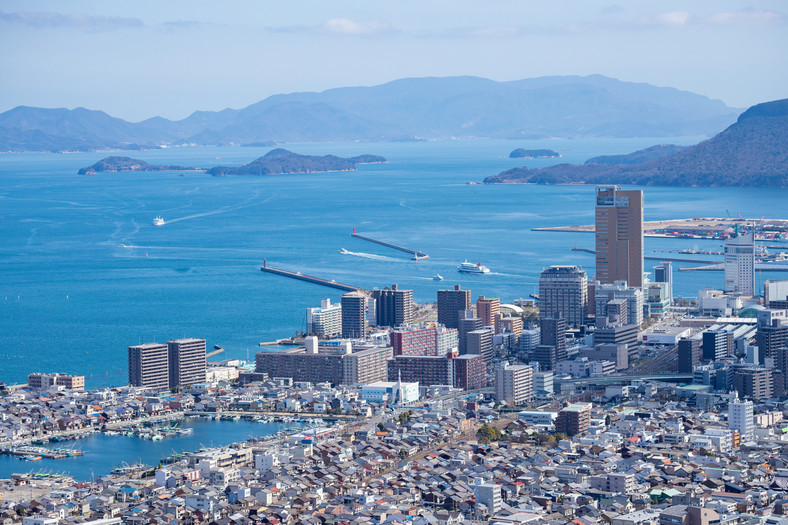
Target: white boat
[
  {"x": 158, "y": 221},
  {"x": 437, "y": 277},
  {"x": 343, "y": 251},
  {"x": 468, "y": 267}
]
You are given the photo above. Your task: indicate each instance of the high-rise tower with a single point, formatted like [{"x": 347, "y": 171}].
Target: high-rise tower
[{"x": 619, "y": 235}]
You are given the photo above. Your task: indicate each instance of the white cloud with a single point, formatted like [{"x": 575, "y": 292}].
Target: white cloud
[
  {"x": 670, "y": 19},
  {"x": 346, "y": 26},
  {"x": 748, "y": 17},
  {"x": 84, "y": 22}
]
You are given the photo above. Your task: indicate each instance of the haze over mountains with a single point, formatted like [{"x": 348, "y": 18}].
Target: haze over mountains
[
  {"x": 407, "y": 109},
  {"x": 751, "y": 152}
]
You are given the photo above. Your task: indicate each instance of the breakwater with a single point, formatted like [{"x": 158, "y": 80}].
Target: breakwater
[
  {"x": 310, "y": 279},
  {"x": 417, "y": 255}
]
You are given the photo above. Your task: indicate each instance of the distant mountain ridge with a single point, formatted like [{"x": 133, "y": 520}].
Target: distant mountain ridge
[
  {"x": 405, "y": 109},
  {"x": 751, "y": 152}
]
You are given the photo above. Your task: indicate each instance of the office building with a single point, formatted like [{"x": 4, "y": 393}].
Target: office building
[
  {"x": 414, "y": 341},
  {"x": 326, "y": 321},
  {"x": 740, "y": 417},
  {"x": 546, "y": 356},
  {"x": 512, "y": 325},
  {"x": 390, "y": 392},
  {"x": 487, "y": 309},
  {"x": 480, "y": 342},
  {"x": 740, "y": 264},
  {"x": 514, "y": 384},
  {"x": 354, "y": 315},
  {"x": 772, "y": 333},
  {"x": 657, "y": 298},
  {"x": 450, "y": 304},
  {"x": 334, "y": 362},
  {"x": 393, "y": 307},
  {"x": 489, "y": 495},
  {"x": 465, "y": 372},
  {"x": 553, "y": 333},
  {"x": 617, "y": 335},
  {"x": 186, "y": 361},
  {"x": 574, "y": 419},
  {"x": 619, "y": 235},
  {"x": 563, "y": 292},
  {"x": 543, "y": 383},
  {"x": 689, "y": 354},
  {"x": 663, "y": 273},
  {"x": 66, "y": 381},
  {"x": 530, "y": 339},
  {"x": 149, "y": 366},
  {"x": 775, "y": 290},
  {"x": 618, "y": 354}
]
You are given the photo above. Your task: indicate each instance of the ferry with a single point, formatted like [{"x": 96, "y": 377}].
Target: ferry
[
  {"x": 158, "y": 221},
  {"x": 437, "y": 277},
  {"x": 343, "y": 251},
  {"x": 467, "y": 267}
]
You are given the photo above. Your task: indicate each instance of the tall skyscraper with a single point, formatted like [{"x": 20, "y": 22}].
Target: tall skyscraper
[
  {"x": 149, "y": 366},
  {"x": 187, "y": 361},
  {"x": 487, "y": 308},
  {"x": 354, "y": 315},
  {"x": 619, "y": 235},
  {"x": 740, "y": 264},
  {"x": 394, "y": 307},
  {"x": 450, "y": 304},
  {"x": 563, "y": 291}
]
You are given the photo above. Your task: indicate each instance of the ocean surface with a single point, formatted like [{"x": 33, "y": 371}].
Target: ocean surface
[{"x": 84, "y": 273}]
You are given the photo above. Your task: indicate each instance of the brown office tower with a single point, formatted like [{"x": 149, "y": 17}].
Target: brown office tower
[
  {"x": 354, "y": 315},
  {"x": 753, "y": 383},
  {"x": 486, "y": 310},
  {"x": 187, "y": 361},
  {"x": 574, "y": 419},
  {"x": 393, "y": 307},
  {"x": 450, "y": 304},
  {"x": 619, "y": 235},
  {"x": 553, "y": 333},
  {"x": 149, "y": 366}
]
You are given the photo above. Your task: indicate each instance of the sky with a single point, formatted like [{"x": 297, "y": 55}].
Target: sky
[{"x": 139, "y": 59}]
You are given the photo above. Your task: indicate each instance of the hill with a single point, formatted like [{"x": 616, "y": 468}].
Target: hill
[
  {"x": 638, "y": 157},
  {"x": 118, "y": 164},
  {"x": 281, "y": 161},
  {"x": 405, "y": 109},
  {"x": 751, "y": 152}
]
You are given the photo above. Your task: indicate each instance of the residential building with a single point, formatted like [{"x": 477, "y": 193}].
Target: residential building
[
  {"x": 563, "y": 292},
  {"x": 717, "y": 344},
  {"x": 753, "y": 383},
  {"x": 480, "y": 342},
  {"x": 553, "y": 333},
  {"x": 543, "y": 383},
  {"x": 489, "y": 495},
  {"x": 394, "y": 307},
  {"x": 467, "y": 323},
  {"x": 186, "y": 361},
  {"x": 613, "y": 482},
  {"x": 414, "y": 341},
  {"x": 663, "y": 273},
  {"x": 619, "y": 235},
  {"x": 689, "y": 354},
  {"x": 149, "y": 366},
  {"x": 740, "y": 417},
  {"x": 574, "y": 419},
  {"x": 514, "y": 384},
  {"x": 326, "y": 321},
  {"x": 354, "y": 315},
  {"x": 607, "y": 304},
  {"x": 487, "y": 309},
  {"x": 470, "y": 372},
  {"x": 446, "y": 340},
  {"x": 451, "y": 303}
]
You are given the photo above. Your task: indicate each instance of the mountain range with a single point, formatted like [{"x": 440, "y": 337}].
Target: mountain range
[
  {"x": 402, "y": 110},
  {"x": 751, "y": 152}
]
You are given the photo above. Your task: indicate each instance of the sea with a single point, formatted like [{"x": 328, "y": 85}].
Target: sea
[{"x": 84, "y": 273}]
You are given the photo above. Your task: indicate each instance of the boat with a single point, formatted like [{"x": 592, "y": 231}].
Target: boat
[
  {"x": 158, "y": 221},
  {"x": 437, "y": 277},
  {"x": 468, "y": 267},
  {"x": 343, "y": 251}
]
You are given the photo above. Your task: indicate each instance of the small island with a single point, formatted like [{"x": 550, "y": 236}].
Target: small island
[
  {"x": 118, "y": 164},
  {"x": 281, "y": 162},
  {"x": 521, "y": 153},
  {"x": 275, "y": 162}
]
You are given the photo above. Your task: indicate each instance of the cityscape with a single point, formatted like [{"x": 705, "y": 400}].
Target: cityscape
[{"x": 394, "y": 263}]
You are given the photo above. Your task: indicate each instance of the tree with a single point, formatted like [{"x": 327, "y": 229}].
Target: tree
[
  {"x": 381, "y": 426},
  {"x": 486, "y": 433}
]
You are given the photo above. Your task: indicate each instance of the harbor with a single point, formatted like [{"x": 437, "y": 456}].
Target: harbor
[{"x": 417, "y": 255}]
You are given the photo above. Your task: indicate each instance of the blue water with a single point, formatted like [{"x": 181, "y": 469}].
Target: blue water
[
  {"x": 102, "y": 453},
  {"x": 72, "y": 299}
]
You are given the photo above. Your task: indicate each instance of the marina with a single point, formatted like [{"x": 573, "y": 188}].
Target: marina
[{"x": 417, "y": 255}]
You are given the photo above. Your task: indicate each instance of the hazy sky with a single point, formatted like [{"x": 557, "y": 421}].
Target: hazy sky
[{"x": 137, "y": 59}]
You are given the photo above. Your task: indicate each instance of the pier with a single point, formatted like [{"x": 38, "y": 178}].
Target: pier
[
  {"x": 649, "y": 258},
  {"x": 417, "y": 255},
  {"x": 310, "y": 279}
]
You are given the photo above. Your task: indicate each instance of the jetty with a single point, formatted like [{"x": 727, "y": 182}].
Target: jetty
[
  {"x": 310, "y": 279},
  {"x": 417, "y": 255}
]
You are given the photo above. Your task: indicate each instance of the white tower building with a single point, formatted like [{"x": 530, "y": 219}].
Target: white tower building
[
  {"x": 740, "y": 264},
  {"x": 740, "y": 417}
]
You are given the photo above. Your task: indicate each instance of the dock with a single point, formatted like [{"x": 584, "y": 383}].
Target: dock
[
  {"x": 417, "y": 255},
  {"x": 650, "y": 258},
  {"x": 310, "y": 279}
]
